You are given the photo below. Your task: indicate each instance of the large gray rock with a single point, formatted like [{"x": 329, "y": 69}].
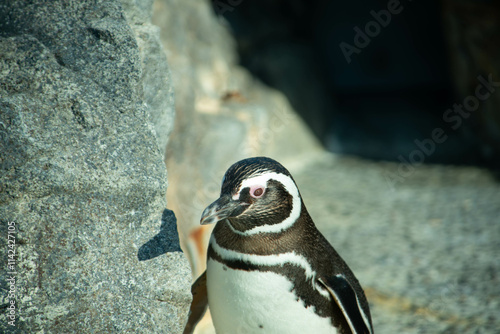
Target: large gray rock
[
  {"x": 156, "y": 79},
  {"x": 82, "y": 175}
]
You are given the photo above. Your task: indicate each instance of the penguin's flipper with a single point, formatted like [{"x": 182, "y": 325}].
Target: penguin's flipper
[
  {"x": 349, "y": 304},
  {"x": 199, "y": 303}
]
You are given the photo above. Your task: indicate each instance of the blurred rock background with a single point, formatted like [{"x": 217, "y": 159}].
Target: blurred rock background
[
  {"x": 223, "y": 115},
  {"x": 417, "y": 220},
  {"x": 421, "y": 59},
  {"x": 410, "y": 200}
]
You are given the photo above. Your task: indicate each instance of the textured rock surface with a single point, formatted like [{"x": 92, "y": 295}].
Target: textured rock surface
[
  {"x": 222, "y": 115},
  {"x": 425, "y": 249},
  {"x": 82, "y": 171},
  {"x": 156, "y": 79}
]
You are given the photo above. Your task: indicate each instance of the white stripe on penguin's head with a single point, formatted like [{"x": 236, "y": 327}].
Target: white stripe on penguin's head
[{"x": 290, "y": 187}]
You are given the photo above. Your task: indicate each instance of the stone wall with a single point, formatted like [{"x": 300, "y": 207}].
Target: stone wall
[{"x": 86, "y": 108}]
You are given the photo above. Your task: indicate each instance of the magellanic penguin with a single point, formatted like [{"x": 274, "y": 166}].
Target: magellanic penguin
[{"x": 269, "y": 270}]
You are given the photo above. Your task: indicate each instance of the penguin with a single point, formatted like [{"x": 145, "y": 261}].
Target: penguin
[{"x": 269, "y": 269}]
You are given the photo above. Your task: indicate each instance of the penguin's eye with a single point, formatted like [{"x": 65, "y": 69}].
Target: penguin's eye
[{"x": 257, "y": 191}]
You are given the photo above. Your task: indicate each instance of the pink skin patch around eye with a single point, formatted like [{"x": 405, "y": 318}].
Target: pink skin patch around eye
[
  {"x": 260, "y": 192},
  {"x": 257, "y": 191}
]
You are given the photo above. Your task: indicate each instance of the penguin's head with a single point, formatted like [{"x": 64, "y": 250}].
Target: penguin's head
[{"x": 255, "y": 193}]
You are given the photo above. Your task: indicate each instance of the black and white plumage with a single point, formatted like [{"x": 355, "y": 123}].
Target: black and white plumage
[{"x": 269, "y": 270}]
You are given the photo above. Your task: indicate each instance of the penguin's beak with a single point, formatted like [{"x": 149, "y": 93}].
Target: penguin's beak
[{"x": 223, "y": 208}]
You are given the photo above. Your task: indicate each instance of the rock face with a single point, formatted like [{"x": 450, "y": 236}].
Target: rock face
[{"x": 82, "y": 174}]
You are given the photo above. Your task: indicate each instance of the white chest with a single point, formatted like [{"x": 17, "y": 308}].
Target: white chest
[{"x": 244, "y": 302}]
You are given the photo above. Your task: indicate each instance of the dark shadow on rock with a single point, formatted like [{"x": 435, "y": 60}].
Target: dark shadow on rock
[{"x": 167, "y": 240}]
